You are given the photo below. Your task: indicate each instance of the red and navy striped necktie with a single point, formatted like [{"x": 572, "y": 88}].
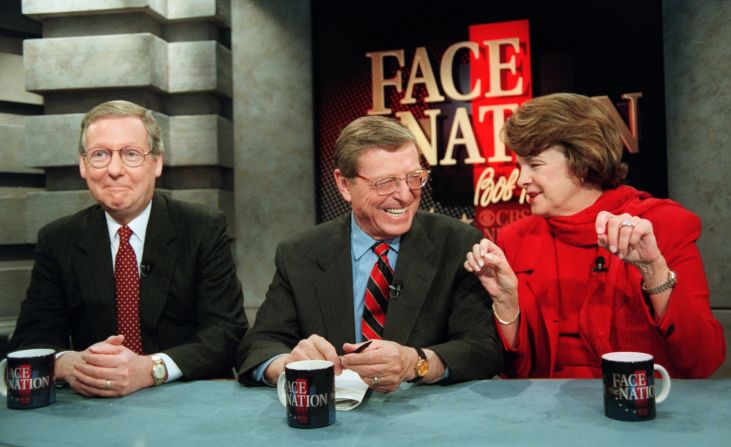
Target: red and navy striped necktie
[{"x": 376, "y": 294}]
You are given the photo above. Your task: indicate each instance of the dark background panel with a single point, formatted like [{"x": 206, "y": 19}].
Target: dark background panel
[{"x": 592, "y": 48}]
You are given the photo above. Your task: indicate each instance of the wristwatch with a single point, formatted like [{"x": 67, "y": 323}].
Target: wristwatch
[
  {"x": 159, "y": 371},
  {"x": 668, "y": 284},
  {"x": 422, "y": 366}
]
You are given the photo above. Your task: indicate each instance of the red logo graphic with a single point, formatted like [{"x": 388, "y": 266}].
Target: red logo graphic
[
  {"x": 302, "y": 410},
  {"x": 502, "y": 72}
]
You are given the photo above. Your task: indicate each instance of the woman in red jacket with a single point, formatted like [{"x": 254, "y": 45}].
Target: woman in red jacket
[{"x": 598, "y": 267}]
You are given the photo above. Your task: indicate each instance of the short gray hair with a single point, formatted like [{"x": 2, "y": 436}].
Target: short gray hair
[{"x": 124, "y": 108}]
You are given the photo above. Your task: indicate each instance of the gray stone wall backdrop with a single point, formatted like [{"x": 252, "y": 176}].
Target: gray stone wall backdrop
[
  {"x": 274, "y": 156},
  {"x": 170, "y": 56},
  {"x": 697, "y": 41},
  {"x": 17, "y": 180}
]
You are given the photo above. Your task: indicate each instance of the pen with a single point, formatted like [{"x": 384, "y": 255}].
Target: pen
[{"x": 362, "y": 347}]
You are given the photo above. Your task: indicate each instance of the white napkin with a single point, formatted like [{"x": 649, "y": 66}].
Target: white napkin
[{"x": 349, "y": 390}]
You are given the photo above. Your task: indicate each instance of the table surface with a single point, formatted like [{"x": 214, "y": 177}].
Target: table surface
[{"x": 494, "y": 412}]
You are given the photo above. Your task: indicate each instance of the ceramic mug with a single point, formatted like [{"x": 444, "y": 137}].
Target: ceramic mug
[
  {"x": 28, "y": 379},
  {"x": 629, "y": 385},
  {"x": 307, "y": 389}
]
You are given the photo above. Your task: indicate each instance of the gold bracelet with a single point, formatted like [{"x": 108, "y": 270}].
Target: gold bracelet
[{"x": 500, "y": 320}]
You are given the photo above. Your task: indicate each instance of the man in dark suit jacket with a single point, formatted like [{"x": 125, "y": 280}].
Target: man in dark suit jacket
[
  {"x": 190, "y": 301},
  {"x": 438, "y": 326}
]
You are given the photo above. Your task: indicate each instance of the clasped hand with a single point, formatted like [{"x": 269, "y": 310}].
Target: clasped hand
[{"x": 105, "y": 369}]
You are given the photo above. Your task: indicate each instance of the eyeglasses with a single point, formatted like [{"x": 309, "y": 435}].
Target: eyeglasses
[
  {"x": 100, "y": 157},
  {"x": 387, "y": 185}
]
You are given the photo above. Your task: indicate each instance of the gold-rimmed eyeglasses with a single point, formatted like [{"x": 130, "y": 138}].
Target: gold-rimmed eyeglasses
[
  {"x": 100, "y": 157},
  {"x": 387, "y": 185}
]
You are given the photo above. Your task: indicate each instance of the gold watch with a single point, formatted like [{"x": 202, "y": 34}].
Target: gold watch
[
  {"x": 668, "y": 284},
  {"x": 422, "y": 366},
  {"x": 159, "y": 371}
]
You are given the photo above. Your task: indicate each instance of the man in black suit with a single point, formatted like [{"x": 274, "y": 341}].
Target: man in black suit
[
  {"x": 320, "y": 305},
  {"x": 177, "y": 309}
]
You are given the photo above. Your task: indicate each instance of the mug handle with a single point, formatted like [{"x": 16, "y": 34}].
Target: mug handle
[
  {"x": 280, "y": 388},
  {"x": 3, "y": 385},
  {"x": 665, "y": 384}
]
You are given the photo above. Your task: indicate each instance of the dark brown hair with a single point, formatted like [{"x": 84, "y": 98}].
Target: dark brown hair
[{"x": 574, "y": 124}]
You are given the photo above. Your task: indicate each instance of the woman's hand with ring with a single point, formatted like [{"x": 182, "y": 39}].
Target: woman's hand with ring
[{"x": 629, "y": 237}]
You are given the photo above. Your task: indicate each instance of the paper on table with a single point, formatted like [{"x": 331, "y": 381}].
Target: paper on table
[{"x": 350, "y": 390}]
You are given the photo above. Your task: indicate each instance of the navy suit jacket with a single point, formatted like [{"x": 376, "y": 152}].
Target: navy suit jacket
[
  {"x": 441, "y": 306},
  {"x": 191, "y": 302}
]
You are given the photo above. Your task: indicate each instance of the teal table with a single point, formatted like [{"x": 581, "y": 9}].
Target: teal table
[{"x": 499, "y": 412}]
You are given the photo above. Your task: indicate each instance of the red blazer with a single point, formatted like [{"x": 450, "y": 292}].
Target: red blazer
[{"x": 688, "y": 340}]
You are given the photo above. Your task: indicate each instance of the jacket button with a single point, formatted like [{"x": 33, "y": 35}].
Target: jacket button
[{"x": 670, "y": 330}]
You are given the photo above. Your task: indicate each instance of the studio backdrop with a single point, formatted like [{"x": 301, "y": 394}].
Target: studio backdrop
[{"x": 454, "y": 71}]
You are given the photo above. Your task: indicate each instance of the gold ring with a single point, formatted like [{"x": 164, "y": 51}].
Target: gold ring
[
  {"x": 108, "y": 385},
  {"x": 627, "y": 223},
  {"x": 375, "y": 381}
]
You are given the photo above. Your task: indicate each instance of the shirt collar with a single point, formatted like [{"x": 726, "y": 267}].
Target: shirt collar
[
  {"x": 138, "y": 225},
  {"x": 361, "y": 242}
]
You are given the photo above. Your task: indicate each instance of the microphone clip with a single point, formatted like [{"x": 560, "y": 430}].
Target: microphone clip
[
  {"x": 599, "y": 266},
  {"x": 145, "y": 270},
  {"x": 394, "y": 290}
]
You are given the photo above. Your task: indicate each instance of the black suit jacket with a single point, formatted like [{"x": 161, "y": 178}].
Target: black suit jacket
[
  {"x": 441, "y": 306},
  {"x": 191, "y": 302}
]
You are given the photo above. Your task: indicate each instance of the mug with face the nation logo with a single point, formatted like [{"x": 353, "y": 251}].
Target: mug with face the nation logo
[
  {"x": 307, "y": 389},
  {"x": 28, "y": 379},
  {"x": 629, "y": 385}
]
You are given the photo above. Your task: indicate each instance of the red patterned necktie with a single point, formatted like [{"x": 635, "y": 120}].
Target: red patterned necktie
[
  {"x": 127, "y": 286},
  {"x": 376, "y": 295}
]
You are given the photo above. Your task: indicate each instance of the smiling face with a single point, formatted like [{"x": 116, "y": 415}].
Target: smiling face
[
  {"x": 389, "y": 216},
  {"x": 551, "y": 188},
  {"x": 123, "y": 191}
]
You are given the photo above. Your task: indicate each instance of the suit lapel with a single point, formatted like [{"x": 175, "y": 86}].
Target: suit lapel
[
  {"x": 159, "y": 254},
  {"x": 334, "y": 285},
  {"x": 415, "y": 272},
  {"x": 96, "y": 272}
]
